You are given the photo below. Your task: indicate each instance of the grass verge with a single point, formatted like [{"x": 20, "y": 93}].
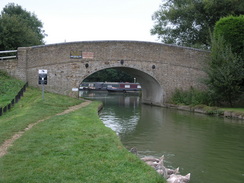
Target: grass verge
[
  {"x": 9, "y": 87},
  {"x": 241, "y": 110},
  {"x": 74, "y": 147},
  {"x": 30, "y": 109}
]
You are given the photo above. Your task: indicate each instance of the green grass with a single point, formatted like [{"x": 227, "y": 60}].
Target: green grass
[
  {"x": 9, "y": 88},
  {"x": 241, "y": 110},
  {"x": 75, "y": 147},
  {"x": 30, "y": 109}
]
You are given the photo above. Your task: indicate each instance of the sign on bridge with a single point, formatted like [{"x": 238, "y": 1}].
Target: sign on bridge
[{"x": 42, "y": 80}]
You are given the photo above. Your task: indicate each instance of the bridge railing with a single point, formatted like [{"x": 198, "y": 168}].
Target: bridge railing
[
  {"x": 15, "y": 100},
  {"x": 11, "y": 56}
]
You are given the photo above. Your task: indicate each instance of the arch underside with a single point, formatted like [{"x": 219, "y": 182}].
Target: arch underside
[{"x": 152, "y": 92}]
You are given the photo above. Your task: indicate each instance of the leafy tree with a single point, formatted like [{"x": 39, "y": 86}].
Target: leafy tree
[
  {"x": 225, "y": 72},
  {"x": 109, "y": 75},
  {"x": 188, "y": 22},
  {"x": 19, "y": 27},
  {"x": 232, "y": 29}
]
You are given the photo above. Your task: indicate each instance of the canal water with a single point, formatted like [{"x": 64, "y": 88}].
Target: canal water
[{"x": 210, "y": 148}]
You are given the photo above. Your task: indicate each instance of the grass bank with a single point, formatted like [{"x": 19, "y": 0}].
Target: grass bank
[
  {"x": 199, "y": 101},
  {"x": 73, "y": 147},
  {"x": 9, "y": 87},
  {"x": 235, "y": 113},
  {"x": 30, "y": 109},
  {"x": 241, "y": 110}
]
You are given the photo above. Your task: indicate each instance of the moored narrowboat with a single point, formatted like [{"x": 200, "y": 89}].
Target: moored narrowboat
[
  {"x": 111, "y": 86},
  {"x": 125, "y": 87}
]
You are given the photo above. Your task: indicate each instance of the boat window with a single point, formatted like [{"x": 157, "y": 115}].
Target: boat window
[{"x": 127, "y": 86}]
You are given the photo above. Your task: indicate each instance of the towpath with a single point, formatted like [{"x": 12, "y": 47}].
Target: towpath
[{"x": 9, "y": 142}]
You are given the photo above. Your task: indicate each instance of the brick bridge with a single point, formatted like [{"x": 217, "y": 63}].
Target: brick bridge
[{"x": 159, "y": 68}]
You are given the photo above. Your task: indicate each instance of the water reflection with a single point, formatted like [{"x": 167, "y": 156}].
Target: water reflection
[
  {"x": 123, "y": 122},
  {"x": 210, "y": 148}
]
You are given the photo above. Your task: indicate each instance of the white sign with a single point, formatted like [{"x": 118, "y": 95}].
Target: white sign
[
  {"x": 42, "y": 71},
  {"x": 75, "y": 89},
  {"x": 42, "y": 79}
]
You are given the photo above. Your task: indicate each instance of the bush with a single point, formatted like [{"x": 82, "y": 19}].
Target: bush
[
  {"x": 4, "y": 74},
  {"x": 231, "y": 28},
  {"x": 225, "y": 73},
  {"x": 190, "y": 97}
]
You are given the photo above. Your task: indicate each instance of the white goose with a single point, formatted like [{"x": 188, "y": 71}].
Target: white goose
[{"x": 179, "y": 178}]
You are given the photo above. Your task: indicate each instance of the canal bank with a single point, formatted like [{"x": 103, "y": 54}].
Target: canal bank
[
  {"x": 214, "y": 111},
  {"x": 72, "y": 147},
  {"x": 206, "y": 146}
]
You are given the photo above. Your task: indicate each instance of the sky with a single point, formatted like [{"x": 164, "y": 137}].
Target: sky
[{"x": 92, "y": 20}]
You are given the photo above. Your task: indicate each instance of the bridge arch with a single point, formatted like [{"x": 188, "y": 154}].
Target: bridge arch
[
  {"x": 152, "y": 91},
  {"x": 160, "y": 68}
]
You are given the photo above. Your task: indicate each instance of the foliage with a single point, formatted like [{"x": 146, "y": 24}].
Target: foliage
[
  {"x": 74, "y": 147},
  {"x": 225, "y": 73},
  {"x": 190, "y": 97},
  {"x": 232, "y": 29},
  {"x": 109, "y": 75},
  {"x": 213, "y": 110},
  {"x": 188, "y": 22},
  {"x": 4, "y": 75},
  {"x": 9, "y": 88},
  {"x": 19, "y": 28}
]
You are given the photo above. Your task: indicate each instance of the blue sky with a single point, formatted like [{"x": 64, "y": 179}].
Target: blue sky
[{"x": 88, "y": 20}]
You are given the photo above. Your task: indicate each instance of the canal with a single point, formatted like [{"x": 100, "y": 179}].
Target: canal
[{"x": 210, "y": 148}]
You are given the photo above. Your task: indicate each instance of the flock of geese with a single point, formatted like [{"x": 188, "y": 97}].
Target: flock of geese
[{"x": 172, "y": 176}]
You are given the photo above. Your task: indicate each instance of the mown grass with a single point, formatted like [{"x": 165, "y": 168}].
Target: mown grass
[
  {"x": 9, "y": 88},
  {"x": 75, "y": 147},
  {"x": 30, "y": 109}
]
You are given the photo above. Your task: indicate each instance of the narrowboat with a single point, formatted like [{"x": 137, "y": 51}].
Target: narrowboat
[
  {"x": 125, "y": 87},
  {"x": 110, "y": 86}
]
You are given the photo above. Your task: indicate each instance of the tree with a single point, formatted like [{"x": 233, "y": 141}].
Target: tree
[
  {"x": 189, "y": 22},
  {"x": 19, "y": 27},
  {"x": 225, "y": 71},
  {"x": 232, "y": 30}
]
